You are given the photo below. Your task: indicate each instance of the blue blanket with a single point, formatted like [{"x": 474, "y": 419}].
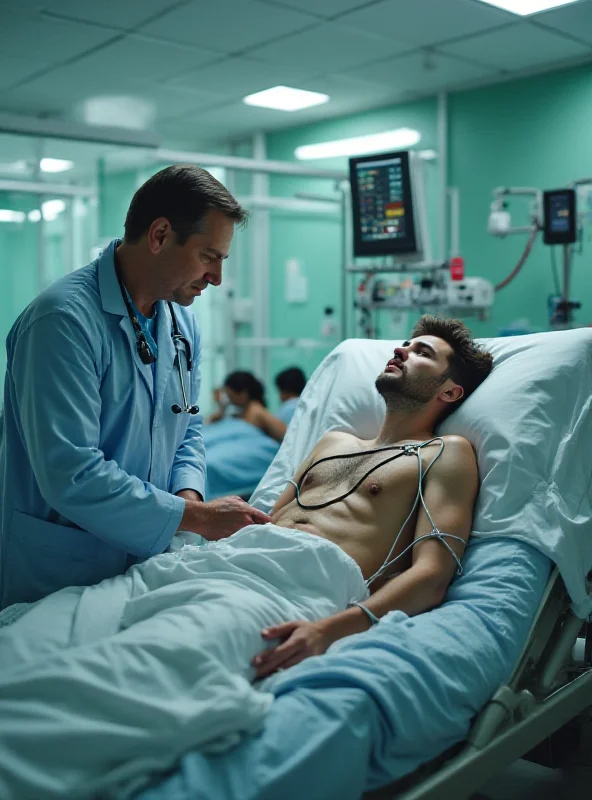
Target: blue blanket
[
  {"x": 380, "y": 704},
  {"x": 237, "y": 457}
]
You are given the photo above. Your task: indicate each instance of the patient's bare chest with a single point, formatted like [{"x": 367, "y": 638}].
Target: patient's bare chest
[{"x": 370, "y": 474}]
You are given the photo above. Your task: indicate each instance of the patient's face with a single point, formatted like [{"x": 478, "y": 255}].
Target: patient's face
[
  {"x": 240, "y": 399},
  {"x": 415, "y": 374}
]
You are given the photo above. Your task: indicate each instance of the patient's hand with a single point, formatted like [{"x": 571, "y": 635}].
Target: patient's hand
[{"x": 300, "y": 640}]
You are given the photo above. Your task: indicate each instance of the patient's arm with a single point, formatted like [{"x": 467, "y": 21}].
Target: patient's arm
[
  {"x": 450, "y": 491},
  {"x": 269, "y": 424}
]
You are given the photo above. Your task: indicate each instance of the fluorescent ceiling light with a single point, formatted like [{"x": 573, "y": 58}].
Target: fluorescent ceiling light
[
  {"x": 34, "y": 215},
  {"x": 20, "y": 167},
  {"x": 118, "y": 111},
  {"x": 51, "y": 208},
  {"x": 526, "y": 7},
  {"x": 8, "y": 215},
  {"x": 284, "y": 98},
  {"x": 55, "y": 165},
  {"x": 359, "y": 145}
]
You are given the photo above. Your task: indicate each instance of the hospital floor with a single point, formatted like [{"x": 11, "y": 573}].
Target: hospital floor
[{"x": 524, "y": 780}]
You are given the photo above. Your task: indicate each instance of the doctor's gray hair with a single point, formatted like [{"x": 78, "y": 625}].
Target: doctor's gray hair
[{"x": 183, "y": 194}]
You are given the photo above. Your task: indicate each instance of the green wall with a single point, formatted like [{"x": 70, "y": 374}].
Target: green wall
[
  {"x": 532, "y": 132},
  {"x": 20, "y": 244},
  {"x": 316, "y": 241},
  {"x": 19, "y": 278}
]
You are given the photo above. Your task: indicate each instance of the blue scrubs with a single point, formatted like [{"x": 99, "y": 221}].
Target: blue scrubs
[
  {"x": 287, "y": 409},
  {"x": 91, "y": 454}
]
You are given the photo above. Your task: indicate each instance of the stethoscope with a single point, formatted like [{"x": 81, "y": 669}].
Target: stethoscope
[{"x": 147, "y": 356}]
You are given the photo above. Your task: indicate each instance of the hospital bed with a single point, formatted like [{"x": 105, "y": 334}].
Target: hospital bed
[
  {"x": 532, "y": 429},
  {"x": 550, "y": 686},
  {"x": 443, "y": 700}
]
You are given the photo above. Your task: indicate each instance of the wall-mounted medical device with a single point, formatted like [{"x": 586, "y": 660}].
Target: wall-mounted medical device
[
  {"x": 383, "y": 205},
  {"x": 470, "y": 296},
  {"x": 556, "y": 214},
  {"x": 559, "y": 216}
]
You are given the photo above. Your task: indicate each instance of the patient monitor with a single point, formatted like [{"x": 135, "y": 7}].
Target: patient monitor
[
  {"x": 383, "y": 205},
  {"x": 559, "y": 216},
  {"x": 390, "y": 224}
]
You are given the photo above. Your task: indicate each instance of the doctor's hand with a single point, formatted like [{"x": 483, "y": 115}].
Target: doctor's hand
[
  {"x": 220, "y": 518},
  {"x": 300, "y": 640}
]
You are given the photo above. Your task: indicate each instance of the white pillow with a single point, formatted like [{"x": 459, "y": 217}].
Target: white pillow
[{"x": 530, "y": 424}]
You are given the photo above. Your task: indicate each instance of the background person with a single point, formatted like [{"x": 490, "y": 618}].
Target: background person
[
  {"x": 247, "y": 394},
  {"x": 290, "y": 384}
]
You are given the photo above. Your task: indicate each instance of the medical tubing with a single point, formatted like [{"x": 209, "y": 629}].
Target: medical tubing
[
  {"x": 359, "y": 483},
  {"x": 419, "y": 496},
  {"x": 408, "y": 449},
  {"x": 521, "y": 262},
  {"x": 372, "y": 617},
  {"x": 435, "y": 534}
]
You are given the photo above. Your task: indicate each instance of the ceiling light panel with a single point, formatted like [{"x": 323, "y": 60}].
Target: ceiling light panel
[
  {"x": 55, "y": 165},
  {"x": 285, "y": 98},
  {"x": 360, "y": 145},
  {"x": 527, "y": 7}
]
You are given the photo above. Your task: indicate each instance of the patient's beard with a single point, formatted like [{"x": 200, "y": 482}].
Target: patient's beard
[{"x": 409, "y": 396}]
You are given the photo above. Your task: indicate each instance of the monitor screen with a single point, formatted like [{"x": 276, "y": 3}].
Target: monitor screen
[
  {"x": 559, "y": 222},
  {"x": 382, "y": 205}
]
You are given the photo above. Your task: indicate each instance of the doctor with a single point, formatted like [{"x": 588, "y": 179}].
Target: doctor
[{"x": 101, "y": 450}]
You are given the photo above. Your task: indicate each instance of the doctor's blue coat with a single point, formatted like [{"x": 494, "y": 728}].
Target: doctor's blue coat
[{"x": 91, "y": 454}]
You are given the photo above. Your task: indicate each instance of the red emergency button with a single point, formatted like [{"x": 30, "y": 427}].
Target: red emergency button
[{"x": 457, "y": 268}]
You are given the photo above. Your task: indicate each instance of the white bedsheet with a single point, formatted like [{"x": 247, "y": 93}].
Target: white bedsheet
[
  {"x": 101, "y": 686},
  {"x": 530, "y": 423}
]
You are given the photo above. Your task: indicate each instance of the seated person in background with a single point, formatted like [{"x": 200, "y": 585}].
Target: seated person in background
[
  {"x": 363, "y": 495},
  {"x": 247, "y": 394},
  {"x": 290, "y": 384}
]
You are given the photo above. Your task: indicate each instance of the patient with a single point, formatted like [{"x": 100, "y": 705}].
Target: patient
[
  {"x": 247, "y": 395},
  {"x": 290, "y": 384},
  {"x": 361, "y": 494}
]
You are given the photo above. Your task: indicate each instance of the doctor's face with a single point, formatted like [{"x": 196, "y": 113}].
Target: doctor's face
[{"x": 186, "y": 270}]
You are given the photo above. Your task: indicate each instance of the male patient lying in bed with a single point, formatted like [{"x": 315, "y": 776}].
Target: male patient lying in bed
[
  {"x": 165, "y": 655},
  {"x": 363, "y": 495}
]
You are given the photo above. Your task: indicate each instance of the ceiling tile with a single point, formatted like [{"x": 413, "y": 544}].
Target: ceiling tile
[
  {"x": 519, "y": 47},
  {"x": 145, "y": 59},
  {"x": 51, "y": 40},
  {"x": 321, "y": 8},
  {"x": 349, "y": 93},
  {"x": 418, "y": 73},
  {"x": 173, "y": 101},
  {"x": 426, "y": 22},
  {"x": 227, "y": 25},
  {"x": 230, "y": 121},
  {"x": 331, "y": 47},
  {"x": 14, "y": 70},
  {"x": 57, "y": 93},
  {"x": 238, "y": 76},
  {"x": 575, "y": 20},
  {"x": 112, "y": 13},
  {"x": 61, "y": 93}
]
